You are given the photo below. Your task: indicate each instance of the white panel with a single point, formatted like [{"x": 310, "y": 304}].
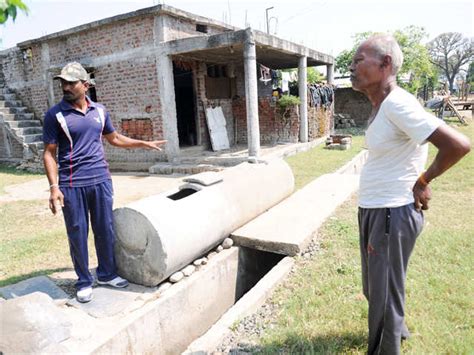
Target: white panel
[{"x": 217, "y": 128}]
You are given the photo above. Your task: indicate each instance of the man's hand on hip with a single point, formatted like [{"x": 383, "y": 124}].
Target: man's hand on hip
[{"x": 422, "y": 195}]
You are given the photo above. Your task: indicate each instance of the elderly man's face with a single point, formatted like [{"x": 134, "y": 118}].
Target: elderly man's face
[
  {"x": 74, "y": 90},
  {"x": 366, "y": 68}
]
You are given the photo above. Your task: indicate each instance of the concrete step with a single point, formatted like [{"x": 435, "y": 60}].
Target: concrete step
[
  {"x": 7, "y": 96},
  {"x": 19, "y": 109},
  {"x": 4, "y": 90},
  {"x": 24, "y": 116},
  {"x": 169, "y": 168},
  {"x": 31, "y": 138},
  {"x": 13, "y": 110},
  {"x": 28, "y": 130},
  {"x": 10, "y": 103},
  {"x": 38, "y": 146},
  {"x": 23, "y": 123}
]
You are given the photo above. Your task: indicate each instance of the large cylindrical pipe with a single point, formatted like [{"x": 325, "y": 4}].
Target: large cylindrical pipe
[{"x": 158, "y": 235}]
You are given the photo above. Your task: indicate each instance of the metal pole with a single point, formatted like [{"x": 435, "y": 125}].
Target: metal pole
[{"x": 266, "y": 17}]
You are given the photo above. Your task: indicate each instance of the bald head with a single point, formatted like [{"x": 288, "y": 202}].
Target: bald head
[{"x": 383, "y": 45}]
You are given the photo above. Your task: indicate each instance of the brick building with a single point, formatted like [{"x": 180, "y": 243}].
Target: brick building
[{"x": 156, "y": 70}]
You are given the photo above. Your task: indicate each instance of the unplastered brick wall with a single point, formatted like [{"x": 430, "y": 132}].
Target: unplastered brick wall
[
  {"x": 137, "y": 128},
  {"x": 320, "y": 121},
  {"x": 108, "y": 39},
  {"x": 277, "y": 125},
  {"x": 201, "y": 101},
  {"x": 178, "y": 27},
  {"x": 129, "y": 89},
  {"x": 9, "y": 147},
  {"x": 353, "y": 104},
  {"x": 23, "y": 73}
]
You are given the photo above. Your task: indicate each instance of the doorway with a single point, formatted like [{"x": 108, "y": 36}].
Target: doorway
[{"x": 185, "y": 106}]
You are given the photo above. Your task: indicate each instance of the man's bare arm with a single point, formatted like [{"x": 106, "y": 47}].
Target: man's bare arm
[
  {"x": 452, "y": 146},
  {"x": 56, "y": 197}
]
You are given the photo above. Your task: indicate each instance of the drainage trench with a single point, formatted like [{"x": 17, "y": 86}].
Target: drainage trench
[{"x": 153, "y": 243}]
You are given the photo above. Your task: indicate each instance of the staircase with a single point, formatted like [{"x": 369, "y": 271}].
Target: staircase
[{"x": 22, "y": 134}]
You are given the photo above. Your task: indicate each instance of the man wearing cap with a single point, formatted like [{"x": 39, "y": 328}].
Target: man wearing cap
[{"x": 80, "y": 181}]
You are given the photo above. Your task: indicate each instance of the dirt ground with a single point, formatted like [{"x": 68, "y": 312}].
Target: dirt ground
[{"x": 127, "y": 188}]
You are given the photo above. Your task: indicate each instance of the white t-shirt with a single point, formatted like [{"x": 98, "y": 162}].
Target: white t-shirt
[{"x": 396, "y": 140}]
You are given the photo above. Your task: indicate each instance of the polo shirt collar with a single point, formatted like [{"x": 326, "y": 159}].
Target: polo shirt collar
[{"x": 66, "y": 106}]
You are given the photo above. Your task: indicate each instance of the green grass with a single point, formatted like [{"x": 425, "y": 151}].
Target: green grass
[
  {"x": 32, "y": 241},
  {"x": 9, "y": 176},
  {"x": 318, "y": 161},
  {"x": 321, "y": 308}
]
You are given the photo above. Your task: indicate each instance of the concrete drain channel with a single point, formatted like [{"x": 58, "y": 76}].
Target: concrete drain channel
[{"x": 180, "y": 238}]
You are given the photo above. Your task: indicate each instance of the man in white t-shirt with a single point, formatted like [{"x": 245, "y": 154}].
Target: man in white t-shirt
[{"x": 394, "y": 188}]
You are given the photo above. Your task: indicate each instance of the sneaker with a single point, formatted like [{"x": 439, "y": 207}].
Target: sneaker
[
  {"x": 117, "y": 282},
  {"x": 84, "y": 295}
]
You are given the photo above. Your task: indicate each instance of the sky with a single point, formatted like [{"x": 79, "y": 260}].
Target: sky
[{"x": 324, "y": 25}]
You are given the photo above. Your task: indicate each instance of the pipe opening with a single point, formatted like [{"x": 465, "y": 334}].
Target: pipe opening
[{"x": 181, "y": 194}]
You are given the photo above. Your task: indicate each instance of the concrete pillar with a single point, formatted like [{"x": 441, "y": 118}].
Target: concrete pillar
[
  {"x": 330, "y": 73},
  {"x": 251, "y": 95},
  {"x": 164, "y": 68},
  {"x": 160, "y": 234},
  {"x": 303, "y": 92}
]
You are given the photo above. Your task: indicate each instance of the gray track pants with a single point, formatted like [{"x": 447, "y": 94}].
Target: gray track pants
[{"x": 387, "y": 238}]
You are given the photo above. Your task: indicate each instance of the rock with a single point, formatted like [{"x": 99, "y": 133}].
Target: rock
[
  {"x": 163, "y": 287},
  {"x": 219, "y": 249},
  {"x": 32, "y": 324},
  {"x": 39, "y": 283},
  {"x": 197, "y": 262},
  {"x": 188, "y": 270},
  {"x": 176, "y": 277},
  {"x": 204, "y": 260},
  {"x": 227, "y": 243},
  {"x": 211, "y": 254}
]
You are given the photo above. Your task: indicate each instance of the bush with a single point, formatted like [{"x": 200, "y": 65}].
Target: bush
[{"x": 288, "y": 100}]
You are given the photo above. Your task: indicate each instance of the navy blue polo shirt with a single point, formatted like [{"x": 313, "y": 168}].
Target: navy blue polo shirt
[{"x": 81, "y": 155}]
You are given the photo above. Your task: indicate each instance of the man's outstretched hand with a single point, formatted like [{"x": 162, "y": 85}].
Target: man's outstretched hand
[{"x": 156, "y": 144}]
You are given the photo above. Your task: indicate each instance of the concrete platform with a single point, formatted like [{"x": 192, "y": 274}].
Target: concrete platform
[{"x": 288, "y": 227}]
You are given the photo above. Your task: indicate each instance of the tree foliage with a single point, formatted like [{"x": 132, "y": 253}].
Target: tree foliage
[
  {"x": 313, "y": 75},
  {"x": 449, "y": 52},
  {"x": 9, "y": 8},
  {"x": 470, "y": 74},
  {"x": 416, "y": 71}
]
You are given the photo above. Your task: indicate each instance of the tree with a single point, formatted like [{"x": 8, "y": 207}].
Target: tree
[
  {"x": 313, "y": 75},
  {"x": 8, "y": 8},
  {"x": 344, "y": 59},
  {"x": 470, "y": 74},
  {"x": 416, "y": 71},
  {"x": 449, "y": 52}
]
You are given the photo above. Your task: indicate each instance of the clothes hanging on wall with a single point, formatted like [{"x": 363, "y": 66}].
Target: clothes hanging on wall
[
  {"x": 320, "y": 95},
  {"x": 285, "y": 79},
  {"x": 265, "y": 74}
]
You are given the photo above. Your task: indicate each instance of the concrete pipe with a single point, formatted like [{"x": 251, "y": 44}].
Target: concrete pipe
[{"x": 160, "y": 234}]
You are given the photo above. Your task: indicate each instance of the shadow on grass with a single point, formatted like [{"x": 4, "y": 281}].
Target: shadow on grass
[
  {"x": 294, "y": 344},
  {"x": 6, "y": 168},
  {"x": 18, "y": 278}
]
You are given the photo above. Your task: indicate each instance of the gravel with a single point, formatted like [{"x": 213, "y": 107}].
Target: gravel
[{"x": 245, "y": 335}]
